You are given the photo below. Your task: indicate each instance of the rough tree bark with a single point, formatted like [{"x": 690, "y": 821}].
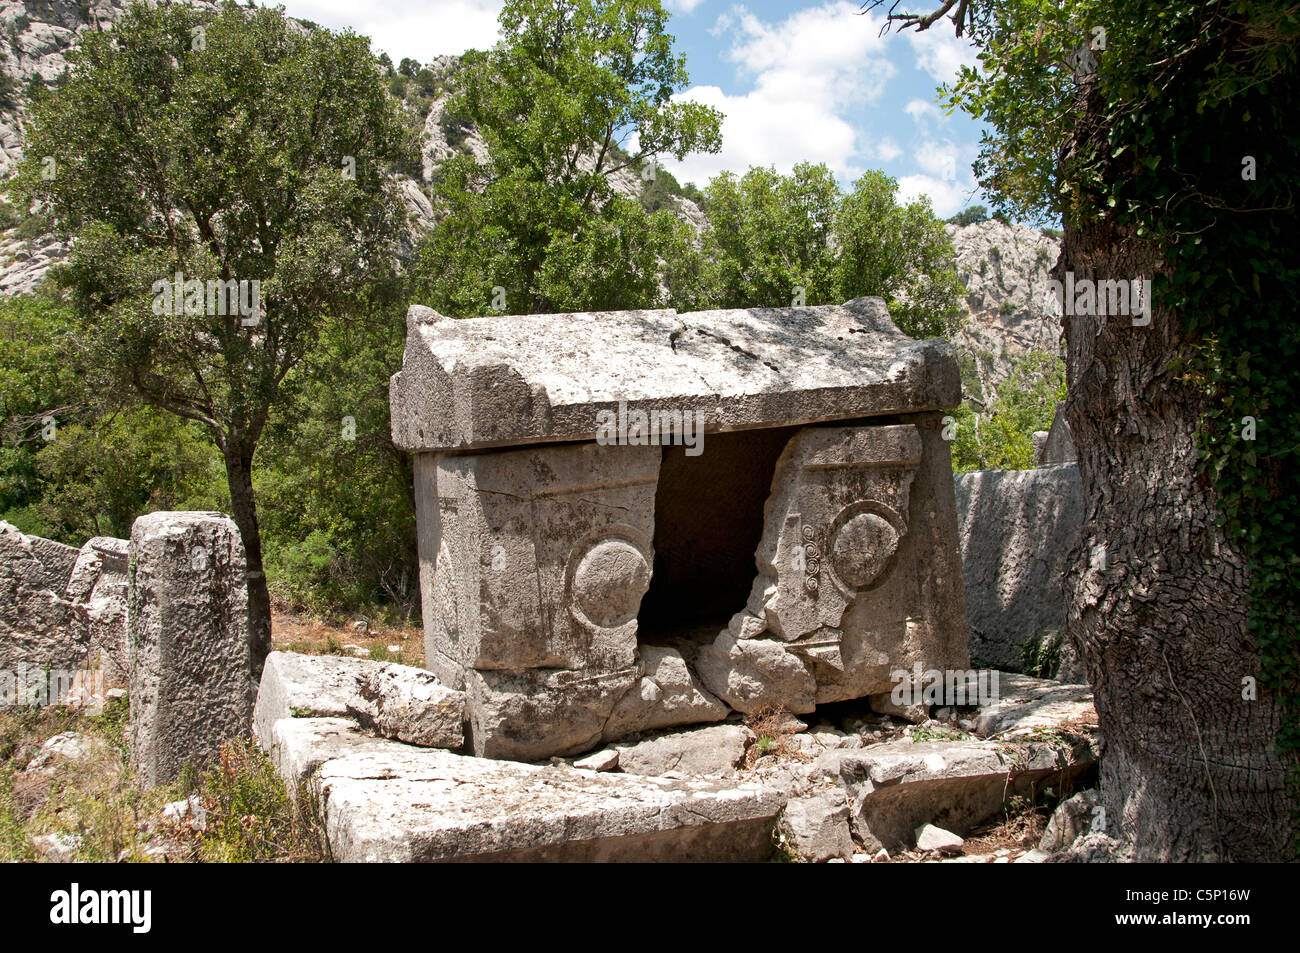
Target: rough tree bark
[{"x": 1189, "y": 771}]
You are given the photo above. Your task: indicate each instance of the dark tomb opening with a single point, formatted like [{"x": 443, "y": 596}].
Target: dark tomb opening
[{"x": 708, "y": 522}]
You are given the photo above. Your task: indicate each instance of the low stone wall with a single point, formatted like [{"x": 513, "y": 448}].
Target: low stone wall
[
  {"x": 62, "y": 608},
  {"x": 1017, "y": 529}
]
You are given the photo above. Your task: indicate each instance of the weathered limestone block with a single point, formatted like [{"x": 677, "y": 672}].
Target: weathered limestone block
[
  {"x": 542, "y": 557},
  {"x": 839, "y": 603},
  {"x": 1058, "y": 445},
  {"x": 390, "y": 700},
  {"x": 36, "y": 628},
  {"x": 537, "y": 533},
  {"x": 409, "y": 705},
  {"x": 97, "y": 594},
  {"x": 388, "y": 802},
  {"x": 1017, "y": 530},
  {"x": 523, "y": 379},
  {"x": 188, "y": 621},
  {"x": 816, "y": 827}
]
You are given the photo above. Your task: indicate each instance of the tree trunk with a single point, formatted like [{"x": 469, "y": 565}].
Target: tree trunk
[
  {"x": 239, "y": 475},
  {"x": 1189, "y": 771}
]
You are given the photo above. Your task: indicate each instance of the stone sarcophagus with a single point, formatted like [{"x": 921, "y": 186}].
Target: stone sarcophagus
[{"x": 634, "y": 520}]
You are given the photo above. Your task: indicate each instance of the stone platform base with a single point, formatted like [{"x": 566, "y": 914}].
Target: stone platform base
[{"x": 384, "y": 801}]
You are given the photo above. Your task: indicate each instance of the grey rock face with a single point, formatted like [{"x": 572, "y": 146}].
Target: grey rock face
[
  {"x": 1072, "y": 819},
  {"x": 188, "y": 622},
  {"x": 1016, "y": 530},
  {"x": 388, "y": 802}
]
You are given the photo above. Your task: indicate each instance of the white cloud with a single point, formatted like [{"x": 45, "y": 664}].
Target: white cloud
[
  {"x": 808, "y": 71},
  {"x": 887, "y": 150},
  {"x": 420, "y": 29},
  {"x": 682, "y": 6},
  {"x": 940, "y": 53},
  {"x": 938, "y": 158},
  {"x": 945, "y": 196},
  {"x": 924, "y": 113}
]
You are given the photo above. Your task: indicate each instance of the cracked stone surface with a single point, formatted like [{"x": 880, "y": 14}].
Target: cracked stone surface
[
  {"x": 385, "y": 801},
  {"x": 510, "y": 380}
]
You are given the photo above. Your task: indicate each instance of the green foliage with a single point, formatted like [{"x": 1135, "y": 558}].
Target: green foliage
[
  {"x": 225, "y": 147},
  {"x": 250, "y": 814},
  {"x": 770, "y": 235},
  {"x": 1002, "y": 438},
  {"x": 567, "y": 82},
  {"x": 1041, "y": 659}
]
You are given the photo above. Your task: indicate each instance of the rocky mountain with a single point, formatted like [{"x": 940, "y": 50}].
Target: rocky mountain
[{"x": 1005, "y": 268}]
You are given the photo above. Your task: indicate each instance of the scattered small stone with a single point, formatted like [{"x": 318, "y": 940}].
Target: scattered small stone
[
  {"x": 394, "y": 648},
  {"x": 1035, "y": 856},
  {"x": 881, "y": 856},
  {"x": 57, "y": 848},
  {"x": 70, "y": 747},
  {"x": 606, "y": 760},
  {"x": 929, "y": 837},
  {"x": 187, "y": 813},
  {"x": 360, "y": 625}
]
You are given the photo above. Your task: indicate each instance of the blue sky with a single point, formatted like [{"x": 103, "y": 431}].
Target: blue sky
[{"x": 798, "y": 81}]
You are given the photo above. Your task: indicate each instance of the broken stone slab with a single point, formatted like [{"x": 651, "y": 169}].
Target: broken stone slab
[
  {"x": 188, "y": 621},
  {"x": 510, "y": 380},
  {"x": 855, "y": 580},
  {"x": 668, "y": 694},
  {"x": 1028, "y": 705},
  {"x": 385, "y": 801},
  {"x": 1058, "y": 445},
  {"x": 716, "y": 750},
  {"x": 816, "y": 828},
  {"x": 394, "y": 701},
  {"x": 97, "y": 594},
  {"x": 895, "y": 787},
  {"x": 1017, "y": 531},
  {"x": 606, "y": 760},
  {"x": 409, "y": 705}
]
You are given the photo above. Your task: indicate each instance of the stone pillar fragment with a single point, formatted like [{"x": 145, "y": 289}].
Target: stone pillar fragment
[{"x": 188, "y": 626}]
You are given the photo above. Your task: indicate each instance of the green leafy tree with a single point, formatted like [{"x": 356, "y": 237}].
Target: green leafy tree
[
  {"x": 775, "y": 239},
  {"x": 228, "y": 147},
  {"x": 768, "y": 242},
  {"x": 902, "y": 254},
  {"x": 540, "y": 228}
]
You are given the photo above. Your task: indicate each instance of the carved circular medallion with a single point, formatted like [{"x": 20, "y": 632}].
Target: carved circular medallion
[
  {"x": 609, "y": 582},
  {"x": 862, "y": 548}
]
